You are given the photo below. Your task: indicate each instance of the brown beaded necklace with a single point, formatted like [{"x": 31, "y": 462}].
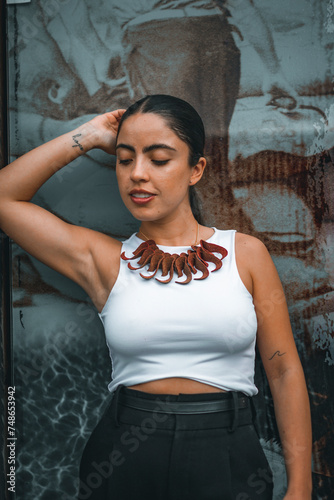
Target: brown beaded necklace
[{"x": 186, "y": 264}]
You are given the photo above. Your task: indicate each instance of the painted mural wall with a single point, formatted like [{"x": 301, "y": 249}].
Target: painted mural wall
[{"x": 260, "y": 73}]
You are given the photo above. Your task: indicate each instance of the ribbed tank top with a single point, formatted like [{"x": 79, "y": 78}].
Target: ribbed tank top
[{"x": 204, "y": 330}]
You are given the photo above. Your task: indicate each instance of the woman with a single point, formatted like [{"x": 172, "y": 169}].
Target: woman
[{"x": 182, "y": 306}]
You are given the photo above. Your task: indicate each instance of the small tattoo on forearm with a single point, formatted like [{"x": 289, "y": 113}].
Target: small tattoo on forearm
[
  {"x": 279, "y": 353},
  {"x": 77, "y": 143}
]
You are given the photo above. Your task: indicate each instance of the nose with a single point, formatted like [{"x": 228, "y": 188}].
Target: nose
[{"x": 139, "y": 170}]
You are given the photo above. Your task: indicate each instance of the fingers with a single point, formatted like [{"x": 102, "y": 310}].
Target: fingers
[{"x": 118, "y": 113}]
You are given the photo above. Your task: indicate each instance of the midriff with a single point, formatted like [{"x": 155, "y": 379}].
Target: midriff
[{"x": 175, "y": 385}]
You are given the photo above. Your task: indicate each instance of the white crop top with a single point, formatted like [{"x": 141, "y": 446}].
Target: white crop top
[{"x": 204, "y": 330}]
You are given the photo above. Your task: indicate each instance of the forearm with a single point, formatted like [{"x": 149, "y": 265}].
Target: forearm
[
  {"x": 21, "y": 179},
  {"x": 292, "y": 410}
]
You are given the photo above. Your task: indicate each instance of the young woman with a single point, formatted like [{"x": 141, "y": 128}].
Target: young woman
[{"x": 182, "y": 305}]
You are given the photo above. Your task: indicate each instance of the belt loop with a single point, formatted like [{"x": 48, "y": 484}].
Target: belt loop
[
  {"x": 115, "y": 405},
  {"x": 235, "y": 412},
  {"x": 254, "y": 415}
]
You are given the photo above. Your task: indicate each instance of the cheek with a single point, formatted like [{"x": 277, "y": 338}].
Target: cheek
[
  {"x": 178, "y": 182},
  {"x": 174, "y": 193},
  {"x": 178, "y": 176}
]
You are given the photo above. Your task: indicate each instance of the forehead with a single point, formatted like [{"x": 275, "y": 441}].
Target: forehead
[{"x": 146, "y": 127}]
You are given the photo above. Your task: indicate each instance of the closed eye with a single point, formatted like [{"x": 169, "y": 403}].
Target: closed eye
[
  {"x": 125, "y": 162},
  {"x": 160, "y": 162}
]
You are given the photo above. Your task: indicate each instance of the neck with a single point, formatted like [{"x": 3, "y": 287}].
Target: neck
[{"x": 182, "y": 233}]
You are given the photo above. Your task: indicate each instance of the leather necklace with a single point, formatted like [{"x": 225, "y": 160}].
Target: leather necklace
[{"x": 186, "y": 264}]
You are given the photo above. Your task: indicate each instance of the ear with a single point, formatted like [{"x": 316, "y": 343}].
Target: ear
[{"x": 197, "y": 171}]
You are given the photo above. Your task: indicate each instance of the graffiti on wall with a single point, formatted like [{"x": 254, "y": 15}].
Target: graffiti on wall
[{"x": 260, "y": 73}]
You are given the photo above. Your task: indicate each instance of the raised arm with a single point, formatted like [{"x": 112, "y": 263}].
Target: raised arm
[
  {"x": 282, "y": 365},
  {"x": 69, "y": 249}
]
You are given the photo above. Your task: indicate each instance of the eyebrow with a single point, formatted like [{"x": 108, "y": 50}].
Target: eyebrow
[
  {"x": 147, "y": 149},
  {"x": 157, "y": 146},
  {"x": 125, "y": 146}
]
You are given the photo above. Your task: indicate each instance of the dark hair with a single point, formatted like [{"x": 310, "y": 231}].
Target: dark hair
[
  {"x": 180, "y": 116},
  {"x": 184, "y": 120}
]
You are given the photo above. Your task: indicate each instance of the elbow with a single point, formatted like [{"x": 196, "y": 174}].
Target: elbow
[{"x": 288, "y": 379}]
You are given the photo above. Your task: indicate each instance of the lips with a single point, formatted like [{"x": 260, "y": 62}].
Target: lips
[{"x": 141, "y": 197}]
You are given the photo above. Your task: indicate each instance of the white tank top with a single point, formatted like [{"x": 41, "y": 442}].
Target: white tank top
[{"x": 204, "y": 330}]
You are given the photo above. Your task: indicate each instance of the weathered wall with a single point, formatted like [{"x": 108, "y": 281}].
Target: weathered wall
[{"x": 270, "y": 174}]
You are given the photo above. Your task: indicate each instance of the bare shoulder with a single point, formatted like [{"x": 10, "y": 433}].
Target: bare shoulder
[
  {"x": 253, "y": 255},
  {"x": 247, "y": 251},
  {"x": 257, "y": 260},
  {"x": 250, "y": 248},
  {"x": 102, "y": 268},
  {"x": 248, "y": 241}
]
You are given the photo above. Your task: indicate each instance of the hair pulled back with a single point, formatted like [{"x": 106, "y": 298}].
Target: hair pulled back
[{"x": 180, "y": 117}]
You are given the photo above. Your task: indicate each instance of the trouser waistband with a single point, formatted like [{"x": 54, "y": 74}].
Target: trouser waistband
[{"x": 231, "y": 408}]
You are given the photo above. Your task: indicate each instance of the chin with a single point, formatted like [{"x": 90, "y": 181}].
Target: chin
[
  {"x": 152, "y": 214},
  {"x": 143, "y": 218},
  {"x": 146, "y": 217},
  {"x": 139, "y": 214}
]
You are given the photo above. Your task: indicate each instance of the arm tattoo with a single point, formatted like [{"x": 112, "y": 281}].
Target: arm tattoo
[
  {"x": 279, "y": 353},
  {"x": 77, "y": 143}
]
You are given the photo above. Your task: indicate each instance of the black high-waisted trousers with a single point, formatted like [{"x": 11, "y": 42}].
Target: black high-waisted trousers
[{"x": 164, "y": 453}]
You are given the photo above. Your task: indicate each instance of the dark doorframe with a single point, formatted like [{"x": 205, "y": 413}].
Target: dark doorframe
[{"x": 6, "y": 379}]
